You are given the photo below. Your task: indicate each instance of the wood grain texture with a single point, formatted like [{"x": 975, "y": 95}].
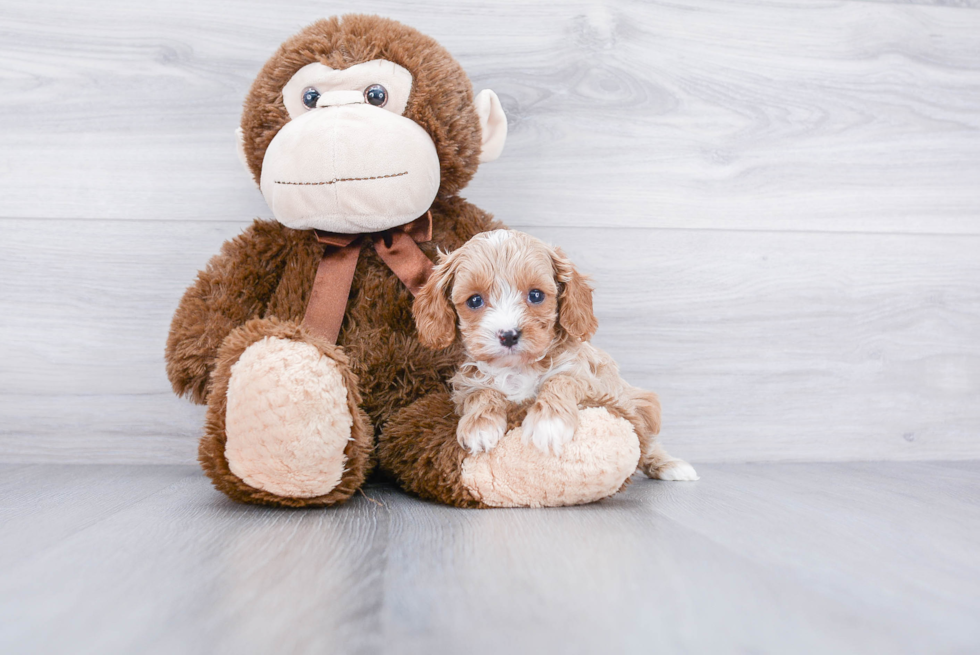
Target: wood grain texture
[
  {"x": 806, "y": 558},
  {"x": 44, "y": 505},
  {"x": 764, "y": 346},
  {"x": 823, "y": 115},
  {"x": 792, "y": 558},
  {"x": 778, "y": 201},
  {"x": 185, "y": 570},
  {"x": 900, "y": 517}
]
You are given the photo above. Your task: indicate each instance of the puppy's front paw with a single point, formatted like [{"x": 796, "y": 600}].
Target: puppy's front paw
[
  {"x": 480, "y": 432},
  {"x": 548, "y": 429}
]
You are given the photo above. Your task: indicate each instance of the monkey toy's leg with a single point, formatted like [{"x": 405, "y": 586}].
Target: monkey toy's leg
[
  {"x": 418, "y": 447},
  {"x": 283, "y": 424}
]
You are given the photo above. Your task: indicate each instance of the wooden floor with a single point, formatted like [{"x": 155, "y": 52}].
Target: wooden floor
[{"x": 754, "y": 558}]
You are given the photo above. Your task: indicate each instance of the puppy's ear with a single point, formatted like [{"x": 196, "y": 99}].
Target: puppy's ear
[
  {"x": 435, "y": 318},
  {"x": 575, "y": 313}
]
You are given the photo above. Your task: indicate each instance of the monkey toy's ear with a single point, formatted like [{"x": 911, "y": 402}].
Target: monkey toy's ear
[
  {"x": 493, "y": 124},
  {"x": 240, "y": 148},
  {"x": 435, "y": 318}
]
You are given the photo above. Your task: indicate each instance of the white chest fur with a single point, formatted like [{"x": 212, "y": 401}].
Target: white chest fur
[{"x": 516, "y": 383}]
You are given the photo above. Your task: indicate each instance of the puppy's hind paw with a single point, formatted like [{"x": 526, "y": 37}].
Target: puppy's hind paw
[{"x": 676, "y": 470}]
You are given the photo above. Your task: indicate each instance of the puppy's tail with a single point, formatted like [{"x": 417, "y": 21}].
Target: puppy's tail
[
  {"x": 646, "y": 405},
  {"x": 638, "y": 406}
]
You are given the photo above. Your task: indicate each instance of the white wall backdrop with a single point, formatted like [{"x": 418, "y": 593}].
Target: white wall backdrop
[{"x": 779, "y": 202}]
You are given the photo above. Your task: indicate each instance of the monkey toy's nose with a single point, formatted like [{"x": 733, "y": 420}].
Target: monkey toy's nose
[
  {"x": 338, "y": 98},
  {"x": 509, "y": 338}
]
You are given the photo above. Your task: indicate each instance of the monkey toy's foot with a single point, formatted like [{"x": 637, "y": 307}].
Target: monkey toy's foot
[
  {"x": 419, "y": 448},
  {"x": 283, "y": 426},
  {"x": 596, "y": 463}
]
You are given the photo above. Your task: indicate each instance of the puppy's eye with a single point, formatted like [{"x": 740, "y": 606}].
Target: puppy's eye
[
  {"x": 376, "y": 95},
  {"x": 475, "y": 301},
  {"x": 535, "y": 296},
  {"x": 310, "y": 96}
]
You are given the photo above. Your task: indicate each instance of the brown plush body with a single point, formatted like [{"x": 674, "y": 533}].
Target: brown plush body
[
  {"x": 260, "y": 285},
  {"x": 294, "y": 420}
]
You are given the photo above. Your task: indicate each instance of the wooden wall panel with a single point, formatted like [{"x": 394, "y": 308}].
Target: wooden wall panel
[
  {"x": 763, "y": 345},
  {"x": 780, "y": 203},
  {"x": 845, "y": 116}
]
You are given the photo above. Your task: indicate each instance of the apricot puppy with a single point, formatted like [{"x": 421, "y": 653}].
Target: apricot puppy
[{"x": 525, "y": 317}]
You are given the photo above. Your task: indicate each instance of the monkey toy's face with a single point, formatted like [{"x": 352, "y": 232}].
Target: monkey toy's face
[
  {"x": 348, "y": 159},
  {"x": 356, "y": 151}
]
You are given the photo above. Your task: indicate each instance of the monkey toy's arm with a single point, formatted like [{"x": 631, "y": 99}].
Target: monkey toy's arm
[{"x": 235, "y": 287}]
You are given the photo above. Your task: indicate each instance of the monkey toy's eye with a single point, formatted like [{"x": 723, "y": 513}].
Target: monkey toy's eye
[
  {"x": 310, "y": 96},
  {"x": 376, "y": 95},
  {"x": 475, "y": 301},
  {"x": 535, "y": 296}
]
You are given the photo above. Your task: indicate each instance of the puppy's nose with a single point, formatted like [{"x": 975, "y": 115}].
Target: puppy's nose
[{"x": 509, "y": 338}]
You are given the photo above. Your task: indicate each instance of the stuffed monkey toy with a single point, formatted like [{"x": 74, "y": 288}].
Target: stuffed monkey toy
[{"x": 299, "y": 335}]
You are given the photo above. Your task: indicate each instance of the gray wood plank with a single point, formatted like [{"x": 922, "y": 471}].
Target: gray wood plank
[
  {"x": 43, "y": 505},
  {"x": 187, "y": 571},
  {"x": 775, "y": 558},
  {"x": 972, "y": 466},
  {"x": 752, "y": 115},
  {"x": 763, "y": 346},
  {"x": 795, "y": 347},
  {"x": 734, "y": 563},
  {"x": 100, "y": 428},
  {"x": 10, "y": 469},
  {"x": 896, "y": 540},
  {"x": 608, "y": 578},
  {"x": 959, "y": 4}
]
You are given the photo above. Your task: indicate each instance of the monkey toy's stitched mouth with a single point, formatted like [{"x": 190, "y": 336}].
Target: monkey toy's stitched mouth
[{"x": 342, "y": 179}]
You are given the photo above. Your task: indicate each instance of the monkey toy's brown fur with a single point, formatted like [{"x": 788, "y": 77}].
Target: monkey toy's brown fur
[
  {"x": 260, "y": 283},
  {"x": 259, "y": 286}
]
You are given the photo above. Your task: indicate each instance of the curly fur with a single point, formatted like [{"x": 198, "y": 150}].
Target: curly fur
[
  {"x": 441, "y": 100},
  {"x": 391, "y": 367},
  {"x": 420, "y": 450},
  {"x": 552, "y": 366}
]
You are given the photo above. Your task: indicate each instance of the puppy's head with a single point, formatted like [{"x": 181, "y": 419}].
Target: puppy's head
[{"x": 514, "y": 297}]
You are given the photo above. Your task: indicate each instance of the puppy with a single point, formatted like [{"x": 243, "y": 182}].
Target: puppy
[{"x": 525, "y": 316}]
